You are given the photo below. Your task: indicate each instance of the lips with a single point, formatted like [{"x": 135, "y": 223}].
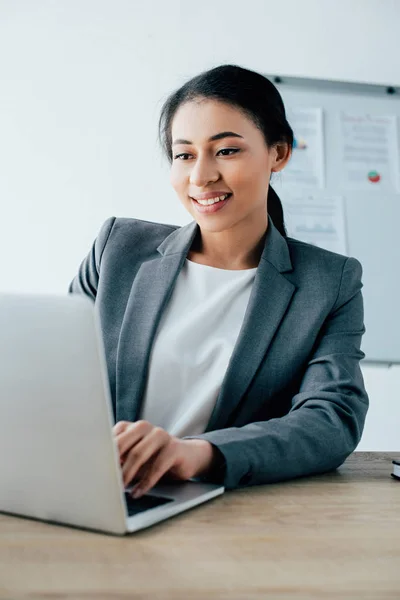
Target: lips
[
  {"x": 208, "y": 195},
  {"x": 228, "y": 195},
  {"x": 211, "y": 208}
]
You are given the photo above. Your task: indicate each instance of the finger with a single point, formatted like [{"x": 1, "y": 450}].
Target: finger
[
  {"x": 140, "y": 474},
  {"x": 144, "y": 470},
  {"x": 122, "y": 459},
  {"x": 143, "y": 451},
  {"x": 158, "y": 469},
  {"x": 132, "y": 435},
  {"x": 120, "y": 427}
]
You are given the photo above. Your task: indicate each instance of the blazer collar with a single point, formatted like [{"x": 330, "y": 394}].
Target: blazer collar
[
  {"x": 150, "y": 292},
  {"x": 275, "y": 251}
]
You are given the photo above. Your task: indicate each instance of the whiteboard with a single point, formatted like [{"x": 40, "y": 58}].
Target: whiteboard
[{"x": 372, "y": 219}]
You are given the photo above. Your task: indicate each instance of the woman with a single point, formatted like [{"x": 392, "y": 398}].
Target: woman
[{"x": 233, "y": 351}]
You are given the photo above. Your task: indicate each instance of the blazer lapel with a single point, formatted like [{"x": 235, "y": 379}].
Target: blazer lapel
[
  {"x": 151, "y": 290},
  {"x": 269, "y": 299}
]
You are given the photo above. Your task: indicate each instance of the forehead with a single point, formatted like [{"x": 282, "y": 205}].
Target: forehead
[{"x": 203, "y": 118}]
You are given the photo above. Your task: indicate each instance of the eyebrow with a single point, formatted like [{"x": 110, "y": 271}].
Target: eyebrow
[{"x": 217, "y": 136}]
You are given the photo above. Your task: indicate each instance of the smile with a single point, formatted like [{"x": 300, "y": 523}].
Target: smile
[
  {"x": 211, "y": 205},
  {"x": 212, "y": 200}
]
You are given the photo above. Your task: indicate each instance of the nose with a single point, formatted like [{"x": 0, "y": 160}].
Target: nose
[{"x": 203, "y": 172}]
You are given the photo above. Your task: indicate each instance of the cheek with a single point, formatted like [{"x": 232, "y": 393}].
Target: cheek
[
  {"x": 248, "y": 176},
  {"x": 255, "y": 177},
  {"x": 175, "y": 179},
  {"x": 178, "y": 176},
  {"x": 245, "y": 182}
]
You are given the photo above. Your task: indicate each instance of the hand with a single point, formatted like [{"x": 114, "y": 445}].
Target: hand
[{"x": 149, "y": 453}]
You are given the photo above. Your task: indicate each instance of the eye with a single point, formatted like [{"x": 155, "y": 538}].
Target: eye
[
  {"x": 234, "y": 150},
  {"x": 179, "y": 155}
]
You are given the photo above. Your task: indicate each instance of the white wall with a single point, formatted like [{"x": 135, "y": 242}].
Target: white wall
[{"x": 81, "y": 86}]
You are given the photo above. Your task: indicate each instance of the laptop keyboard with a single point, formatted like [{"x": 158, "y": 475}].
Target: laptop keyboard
[{"x": 138, "y": 505}]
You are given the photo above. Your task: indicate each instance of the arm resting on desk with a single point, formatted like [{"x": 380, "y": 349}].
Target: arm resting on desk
[{"x": 327, "y": 415}]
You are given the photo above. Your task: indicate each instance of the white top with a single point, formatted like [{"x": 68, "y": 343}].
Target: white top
[{"x": 193, "y": 345}]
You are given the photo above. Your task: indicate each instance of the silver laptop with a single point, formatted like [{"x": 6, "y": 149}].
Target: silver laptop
[{"x": 58, "y": 457}]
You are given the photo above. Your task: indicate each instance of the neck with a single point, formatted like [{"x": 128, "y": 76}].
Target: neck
[{"x": 239, "y": 247}]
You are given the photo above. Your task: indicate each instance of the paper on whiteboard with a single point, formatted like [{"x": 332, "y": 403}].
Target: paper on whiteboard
[
  {"x": 317, "y": 219},
  {"x": 370, "y": 158},
  {"x": 306, "y": 165}
]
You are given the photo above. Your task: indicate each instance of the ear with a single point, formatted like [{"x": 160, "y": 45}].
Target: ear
[{"x": 281, "y": 155}]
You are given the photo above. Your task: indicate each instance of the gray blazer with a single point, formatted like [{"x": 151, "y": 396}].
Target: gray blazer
[{"x": 292, "y": 401}]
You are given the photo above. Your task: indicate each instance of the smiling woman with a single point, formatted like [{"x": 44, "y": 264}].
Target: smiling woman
[
  {"x": 222, "y": 140},
  {"x": 232, "y": 350}
]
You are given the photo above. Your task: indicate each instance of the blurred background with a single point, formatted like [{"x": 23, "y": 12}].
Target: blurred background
[{"x": 82, "y": 83}]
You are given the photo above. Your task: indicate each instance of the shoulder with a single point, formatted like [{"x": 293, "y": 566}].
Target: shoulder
[
  {"x": 310, "y": 257},
  {"x": 122, "y": 231},
  {"x": 127, "y": 226},
  {"x": 132, "y": 239},
  {"x": 323, "y": 272}
]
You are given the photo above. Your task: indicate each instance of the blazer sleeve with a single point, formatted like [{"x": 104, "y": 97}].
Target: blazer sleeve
[
  {"x": 327, "y": 415},
  {"x": 87, "y": 279}
]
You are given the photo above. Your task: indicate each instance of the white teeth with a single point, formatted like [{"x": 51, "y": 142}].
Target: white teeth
[{"x": 212, "y": 200}]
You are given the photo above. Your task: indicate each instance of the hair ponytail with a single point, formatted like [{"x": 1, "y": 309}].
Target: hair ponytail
[{"x": 275, "y": 211}]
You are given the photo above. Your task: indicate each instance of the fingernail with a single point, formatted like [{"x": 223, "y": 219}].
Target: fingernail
[{"x": 137, "y": 493}]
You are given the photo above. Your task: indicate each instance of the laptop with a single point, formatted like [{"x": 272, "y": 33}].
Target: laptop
[{"x": 59, "y": 460}]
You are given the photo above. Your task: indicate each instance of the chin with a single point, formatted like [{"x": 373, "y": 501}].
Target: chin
[{"x": 213, "y": 228}]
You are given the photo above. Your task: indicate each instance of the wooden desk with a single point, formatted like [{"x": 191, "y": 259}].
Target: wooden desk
[{"x": 327, "y": 536}]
